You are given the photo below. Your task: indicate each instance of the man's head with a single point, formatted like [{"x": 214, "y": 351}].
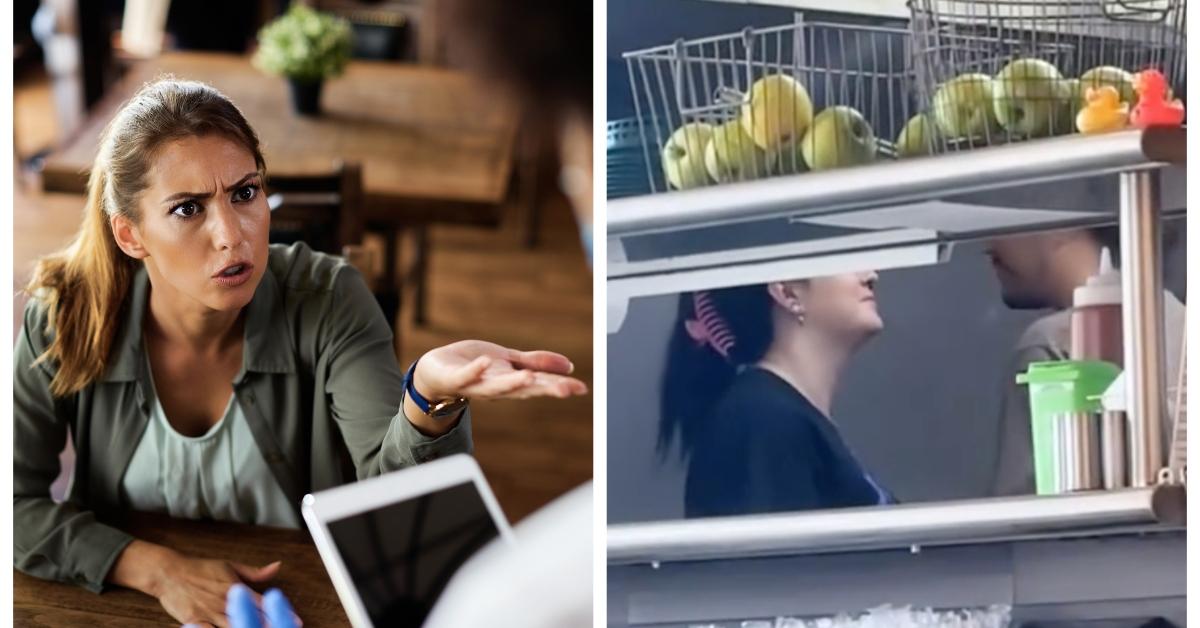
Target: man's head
[{"x": 1038, "y": 271}]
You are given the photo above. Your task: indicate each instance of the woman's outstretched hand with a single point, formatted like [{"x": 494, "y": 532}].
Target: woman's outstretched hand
[{"x": 476, "y": 369}]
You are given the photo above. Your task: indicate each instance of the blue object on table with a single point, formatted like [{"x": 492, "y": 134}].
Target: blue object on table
[
  {"x": 279, "y": 611},
  {"x": 244, "y": 613}
]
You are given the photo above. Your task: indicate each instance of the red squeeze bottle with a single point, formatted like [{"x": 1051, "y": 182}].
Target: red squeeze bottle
[{"x": 1096, "y": 316}]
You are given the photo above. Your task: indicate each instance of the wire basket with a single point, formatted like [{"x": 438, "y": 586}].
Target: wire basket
[
  {"x": 1037, "y": 58},
  {"x": 770, "y": 101}
]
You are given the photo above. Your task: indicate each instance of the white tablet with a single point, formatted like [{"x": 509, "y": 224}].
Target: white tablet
[{"x": 391, "y": 543}]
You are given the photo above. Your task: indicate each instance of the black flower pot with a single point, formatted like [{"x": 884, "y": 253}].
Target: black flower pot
[{"x": 306, "y": 96}]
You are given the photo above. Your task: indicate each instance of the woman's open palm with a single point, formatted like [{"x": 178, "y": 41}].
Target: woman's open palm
[{"x": 476, "y": 369}]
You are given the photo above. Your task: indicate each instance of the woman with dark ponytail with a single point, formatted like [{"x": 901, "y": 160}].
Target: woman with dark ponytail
[{"x": 750, "y": 379}]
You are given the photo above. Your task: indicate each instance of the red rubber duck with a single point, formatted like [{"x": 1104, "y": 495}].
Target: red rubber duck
[{"x": 1153, "y": 107}]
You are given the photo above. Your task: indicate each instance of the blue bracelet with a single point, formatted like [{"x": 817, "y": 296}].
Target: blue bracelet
[{"x": 411, "y": 390}]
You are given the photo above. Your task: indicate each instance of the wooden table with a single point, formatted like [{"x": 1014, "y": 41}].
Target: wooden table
[
  {"x": 434, "y": 146},
  {"x": 302, "y": 577},
  {"x": 428, "y": 139}
]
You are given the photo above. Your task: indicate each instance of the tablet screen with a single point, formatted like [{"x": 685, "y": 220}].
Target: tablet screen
[{"x": 401, "y": 556}]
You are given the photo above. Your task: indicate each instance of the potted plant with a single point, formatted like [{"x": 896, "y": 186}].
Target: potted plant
[{"x": 306, "y": 47}]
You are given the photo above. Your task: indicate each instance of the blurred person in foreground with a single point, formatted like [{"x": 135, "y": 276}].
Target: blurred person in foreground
[
  {"x": 537, "y": 53},
  {"x": 540, "y": 53},
  {"x": 1040, "y": 272}
]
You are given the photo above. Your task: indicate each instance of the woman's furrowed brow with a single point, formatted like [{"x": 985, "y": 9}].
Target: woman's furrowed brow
[{"x": 178, "y": 196}]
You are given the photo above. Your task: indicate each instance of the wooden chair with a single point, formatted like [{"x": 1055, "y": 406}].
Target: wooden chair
[{"x": 326, "y": 212}]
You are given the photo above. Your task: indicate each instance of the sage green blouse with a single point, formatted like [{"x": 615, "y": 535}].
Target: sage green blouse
[{"x": 319, "y": 385}]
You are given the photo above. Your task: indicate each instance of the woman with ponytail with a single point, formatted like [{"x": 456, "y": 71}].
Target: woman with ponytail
[
  {"x": 750, "y": 379},
  {"x": 204, "y": 373}
]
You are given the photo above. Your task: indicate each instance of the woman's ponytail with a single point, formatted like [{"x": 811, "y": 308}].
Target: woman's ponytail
[
  {"x": 716, "y": 333},
  {"x": 83, "y": 288}
]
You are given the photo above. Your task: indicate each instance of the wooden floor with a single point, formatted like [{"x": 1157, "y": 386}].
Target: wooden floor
[{"x": 483, "y": 284}]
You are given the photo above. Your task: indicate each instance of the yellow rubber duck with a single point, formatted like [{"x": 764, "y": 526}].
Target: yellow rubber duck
[{"x": 1104, "y": 111}]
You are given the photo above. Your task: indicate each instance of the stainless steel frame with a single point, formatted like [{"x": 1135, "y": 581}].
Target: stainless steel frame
[
  {"x": 1142, "y": 303},
  {"x": 908, "y": 526}
]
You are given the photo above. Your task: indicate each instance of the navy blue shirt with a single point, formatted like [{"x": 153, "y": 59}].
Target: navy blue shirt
[{"x": 766, "y": 448}]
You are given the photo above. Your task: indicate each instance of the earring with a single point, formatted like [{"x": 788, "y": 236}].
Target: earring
[{"x": 798, "y": 312}]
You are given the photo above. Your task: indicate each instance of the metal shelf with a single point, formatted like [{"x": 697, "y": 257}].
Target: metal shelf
[
  {"x": 904, "y": 181},
  {"x": 875, "y": 8},
  {"x": 1037, "y": 555},
  {"x": 905, "y": 526},
  {"x": 1118, "y": 580},
  {"x": 875, "y": 239}
]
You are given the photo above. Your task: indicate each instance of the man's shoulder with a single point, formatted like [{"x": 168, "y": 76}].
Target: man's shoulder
[
  {"x": 1173, "y": 308},
  {"x": 1051, "y": 332}
]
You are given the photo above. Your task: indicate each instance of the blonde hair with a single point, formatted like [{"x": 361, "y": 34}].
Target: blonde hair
[{"x": 84, "y": 286}]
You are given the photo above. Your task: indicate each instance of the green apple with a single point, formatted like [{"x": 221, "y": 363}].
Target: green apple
[
  {"x": 918, "y": 137},
  {"x": 1076, "y": 95},
  {"x": 1028, "y": 96},
  {"x": 683, "y": 156},
  {"x": 962, "y": 106},
  {"x": 790, "y": 159},
  {"x": 839, "y": 136},
  {"x": 1071, "y": 105},
  {"x": 1108, "y": 75},
  {"x": 732, "y": 156},
  {"x": 776, "y": 111}
]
